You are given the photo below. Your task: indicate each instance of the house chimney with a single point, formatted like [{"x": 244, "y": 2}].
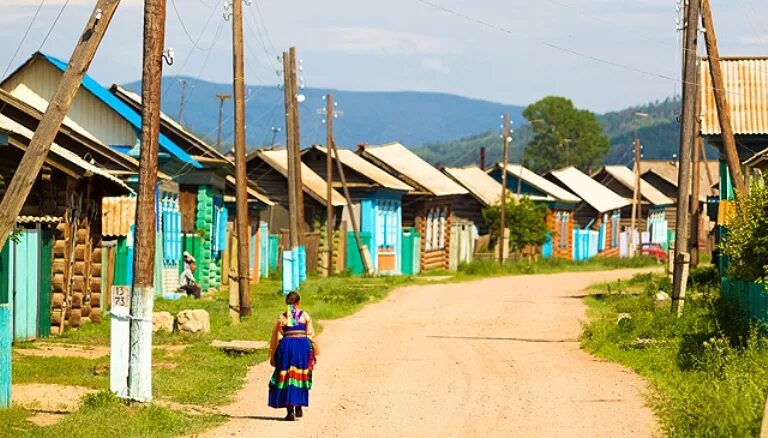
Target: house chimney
[{"x": 482, "y": 158}]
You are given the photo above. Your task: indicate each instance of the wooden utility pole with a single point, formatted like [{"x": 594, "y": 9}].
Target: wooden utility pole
[
  {"x": 29, "y": 166},
  {"x": 710, "y": 178},
  {"x": 721, "y": 102},
  {"x": 329, "y": 176},
  {"x": 355, "y": 230},
  {"x": 482, "y": 157},
  {"x": 635, "y": 199},
  {"x": 143, "y": 293},
  {"x": 241, "y": 193},
  {"x": 290, "y": 101},
  {"x": 687, "y": 139},
  {"x": 183, "y": 96},
  {"x": 695, "y": 205},
  {"x": 296, "y": 145},
  {"x": 503, "y": 241},
  {"x": 222, "y": 97}
]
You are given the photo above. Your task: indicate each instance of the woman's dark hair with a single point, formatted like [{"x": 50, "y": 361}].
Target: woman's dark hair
[{"x": 292, "y": 298}]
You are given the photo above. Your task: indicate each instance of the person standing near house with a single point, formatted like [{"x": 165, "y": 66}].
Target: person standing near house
[
  {"x": 187, "y": 281},
  {"x": 292, "y": 352}
]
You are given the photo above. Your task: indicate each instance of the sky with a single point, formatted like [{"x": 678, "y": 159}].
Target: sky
[{"x": 603, "y": 54}]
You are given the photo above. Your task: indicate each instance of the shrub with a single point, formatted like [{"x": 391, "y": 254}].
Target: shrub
[
  {"x": 525, "y": 219},
  {"x": 746, "y": 242}
]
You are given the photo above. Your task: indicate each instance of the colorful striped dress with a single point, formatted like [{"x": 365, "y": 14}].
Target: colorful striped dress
[{"x": 291, "y": 355}]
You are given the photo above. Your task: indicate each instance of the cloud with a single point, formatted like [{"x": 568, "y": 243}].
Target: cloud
[
  {"x": 434, "y": 64},
  {"x": 754, "y": 40},
  {"x": 375, "y": 41}
]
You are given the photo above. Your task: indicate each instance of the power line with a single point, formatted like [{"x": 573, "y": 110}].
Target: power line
[
  {"x": 24, "y": 37},
  {"x": 55, "y": 20},
  {"x": 186, "y": 31}
]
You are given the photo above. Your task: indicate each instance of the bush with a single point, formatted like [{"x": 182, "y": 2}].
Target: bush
[
  {"x": 525, "y": 219},
  {"x": 746, "y": 242}
]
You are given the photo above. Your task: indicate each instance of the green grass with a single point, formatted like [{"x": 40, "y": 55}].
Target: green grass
[
  {"x": 489, "y": 268},
  {"x": 708, "y": 370},
  {"x": 104, "y": 415}
]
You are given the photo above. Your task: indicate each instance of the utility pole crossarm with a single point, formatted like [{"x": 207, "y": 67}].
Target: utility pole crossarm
[{"x": 29, "y": 166}]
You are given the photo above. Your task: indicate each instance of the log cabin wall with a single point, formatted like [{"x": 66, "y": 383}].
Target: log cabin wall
[
  {"x": 435, "y": 244},
  {"x": 562, "y": 243}
]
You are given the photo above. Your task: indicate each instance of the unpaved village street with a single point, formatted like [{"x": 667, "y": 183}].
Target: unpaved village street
[{"x": 496, "y": 356}]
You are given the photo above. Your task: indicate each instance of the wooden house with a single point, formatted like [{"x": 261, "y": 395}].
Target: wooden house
[
  {"x": 654, "y": 206},
  {"x": 205, "y": 203},
  {"x": 597, "y": 216},
  {"x": 442, "y": 211},
  {"x": 376, "y": 203},
  {"x": 52, "y": 271},
  {"x": 560, "y": 203},
  {"x": 268, "y": 169}
]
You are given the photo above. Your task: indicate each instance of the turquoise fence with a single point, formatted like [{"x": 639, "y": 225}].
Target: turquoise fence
[
  {"x": 6, "y": 335},
  {"x": 749, "y": 296},
  {"x": 585, "y": 244}
]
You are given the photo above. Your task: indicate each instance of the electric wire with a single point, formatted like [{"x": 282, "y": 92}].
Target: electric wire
[
  {"x": 55, "y": 20},
  {"x": 24, "y": 37}
]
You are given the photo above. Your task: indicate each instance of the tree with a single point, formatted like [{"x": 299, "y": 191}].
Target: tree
[
  {"x": 525, "y": 219},
  {"x": 563, "y": 136},
  {"x": 746, "y": 240}
]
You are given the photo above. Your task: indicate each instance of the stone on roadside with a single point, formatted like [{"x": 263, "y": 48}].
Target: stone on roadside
[
  {"x": 662, "y": 299},
  {"x": 162, "y": 322},
  {"x": 193, "y": 321}
]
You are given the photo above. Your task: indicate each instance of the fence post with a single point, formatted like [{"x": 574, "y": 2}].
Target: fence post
[{"x": 6, "y": 336}]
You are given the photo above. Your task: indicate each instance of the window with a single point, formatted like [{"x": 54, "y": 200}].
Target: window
[
  {"x": 387, "y": 230},
  {"x": 561, "y": 220},
  {"x": 435, "y": 230},
  {"x": 615, "y": 219}
]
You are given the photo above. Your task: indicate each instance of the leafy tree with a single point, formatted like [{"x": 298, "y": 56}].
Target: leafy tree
[
  {"x": 563, "y": 135},
  {"x": 525, "y": 219},
  {"x": 747, "y": 239}
]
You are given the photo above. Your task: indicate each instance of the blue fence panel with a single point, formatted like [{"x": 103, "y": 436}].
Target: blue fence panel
[
  {"x": 302, "y": 265},
  {"x": 547, "y": 248},
  {"x": 6, "y": 334},
  {"x": 290, "y": 282}
]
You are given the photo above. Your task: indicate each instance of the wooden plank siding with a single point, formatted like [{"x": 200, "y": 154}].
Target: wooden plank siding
[{"x": 552, "y": 225}]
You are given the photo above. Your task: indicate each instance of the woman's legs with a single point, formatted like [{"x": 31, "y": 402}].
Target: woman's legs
[
  {"x": 299, "y": 412},
  {"x": 290, "y": 416}
]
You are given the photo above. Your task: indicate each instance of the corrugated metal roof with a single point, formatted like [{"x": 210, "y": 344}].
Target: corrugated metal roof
[
  {"x": 402, "y": 160},
  {"x": 592, "y": 192},
  {"x": 38, "y": 219},
  {"x": 480, "y": 184},
  {"x": 548, "y": 187},
  {"x": 118, "y": 213},
  {"x": 10, "y": 125},
  {"x": 251, "y": 192},
  {"x": 626, "y": 177},
  {"x": 746, "y": 86},
  {"x": 314, "y": 185},
  {"x": 126, "y": 112},
  {"x": 368, "y": 169},
  {"x": 667, "y": 170}
]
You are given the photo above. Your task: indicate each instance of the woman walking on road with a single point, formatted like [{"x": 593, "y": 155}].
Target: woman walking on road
[{"x": 292, "y": 353}]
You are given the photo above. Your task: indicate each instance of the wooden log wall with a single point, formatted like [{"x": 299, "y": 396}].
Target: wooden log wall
[
  {"x": 554, "y": 228},
  {"x": 436, "y": 259}
]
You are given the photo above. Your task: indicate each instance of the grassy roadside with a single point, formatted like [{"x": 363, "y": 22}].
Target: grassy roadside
[
  {"x": 708, "y": 371},
  {"x": 203, "y": 376}
]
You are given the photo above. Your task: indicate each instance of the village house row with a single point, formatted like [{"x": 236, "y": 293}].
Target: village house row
[{"x": 74, "y": 235}]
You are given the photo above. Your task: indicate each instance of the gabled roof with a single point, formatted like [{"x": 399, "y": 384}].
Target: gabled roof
[
  {"x": 206, "y": 152},
  {"x": 667, "y": 171},
  {"x": 746, "y": 90},
  {"x": 252, "y": 192},
  {"x": 366, "y": 168},
  {"x": 15, "y": 129},
  {"x": 481, "y": 185},
  {"x": 118, "y": 106},
  {"x": 404, "y": 164},
  {"x": 626, "y": 177},
  {"x": 314, "y": 185},
  {"x": 541, "y": 183},
  {"x": 592, "y": 192}
]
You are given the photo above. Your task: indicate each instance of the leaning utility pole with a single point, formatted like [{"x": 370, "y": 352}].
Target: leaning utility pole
[
  {"x": 503, "y": 242},
  {"x": 143, "y": 293},
  {"x": 329, "y": 176},
  {"x": 687, "y": 139},
  {"x": 723, "y": 111},
  {"x": 635, "y": 199},
  {"x": 290, "y": 101},
  {"x": 29, "y": 166},
  {"x": 222, "y": 97},
  {"x": 296, "y": 145},
  {"x": 241, "y": 179}
]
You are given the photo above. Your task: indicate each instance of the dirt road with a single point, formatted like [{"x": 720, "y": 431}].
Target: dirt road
[{"x": 495, "y": 356}]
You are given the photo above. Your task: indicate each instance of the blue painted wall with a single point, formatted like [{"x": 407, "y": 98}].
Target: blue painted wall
[{"x": 381, "y": 216}]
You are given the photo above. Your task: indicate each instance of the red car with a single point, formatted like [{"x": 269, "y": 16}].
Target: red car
[{"x": 655, "y": 250}]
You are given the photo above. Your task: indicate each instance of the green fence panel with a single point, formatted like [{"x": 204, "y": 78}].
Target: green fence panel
[
  {"x": 354, "y": 260},
  {"x": 46, "y": 261}
]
